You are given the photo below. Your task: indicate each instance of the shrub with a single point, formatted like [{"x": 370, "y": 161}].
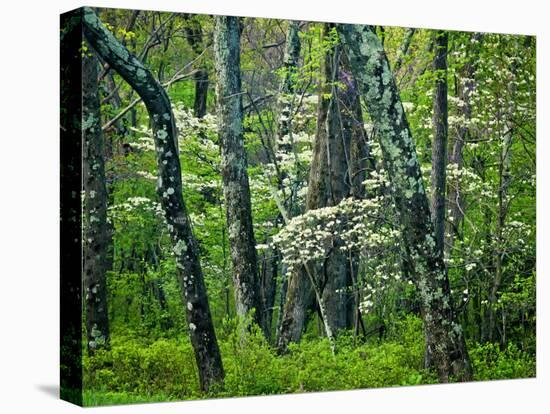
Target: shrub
[{"x": 490, "y": 363}]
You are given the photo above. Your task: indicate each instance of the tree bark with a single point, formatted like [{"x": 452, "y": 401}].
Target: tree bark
[
  {"x": 95, "y": 210},
  {"x": 234, "y": 170},
  {"x": 439, "y": 155},
  {"x": 403, "y": 49},
  {"x": 169, "y": 189},
  {"x": 379, "y": 91},
  {"x": 288, "y": 83},
  {"x": 300, "y": 293},
  {"x": 439, "y": 143},
  {"x": 70, "y": 226},
  {"x": 193, "y": 33},
  {"x": 339, "y": 155}
]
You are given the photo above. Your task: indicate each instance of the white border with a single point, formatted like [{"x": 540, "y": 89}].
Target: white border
[{"x": 29, "y": 204}]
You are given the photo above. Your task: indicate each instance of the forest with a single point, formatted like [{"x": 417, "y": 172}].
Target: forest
[{"x": 274, "y": 206}]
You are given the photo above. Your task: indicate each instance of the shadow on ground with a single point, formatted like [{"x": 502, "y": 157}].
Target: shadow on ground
[{"x": 49, "y": 389}]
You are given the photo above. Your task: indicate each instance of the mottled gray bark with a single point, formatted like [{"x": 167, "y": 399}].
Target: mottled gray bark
[
  {"x": 379, "y": 91},
  {"x": 234, "y": 169},
  {"x": 439, "y": 142},
  {"x": 169, "y": 190},
  {"x": 95, "y": 232}
]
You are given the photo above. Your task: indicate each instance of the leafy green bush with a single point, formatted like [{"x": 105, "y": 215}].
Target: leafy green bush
[
  {"x": 163, "y": 367},
  {"x": 490, "y": 363},
  {"x": 135, "y": 370}
]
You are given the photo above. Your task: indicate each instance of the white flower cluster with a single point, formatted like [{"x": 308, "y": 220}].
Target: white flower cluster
[
  {"x": 134, "y": 205},
  {"x": 353, "y": 225}
]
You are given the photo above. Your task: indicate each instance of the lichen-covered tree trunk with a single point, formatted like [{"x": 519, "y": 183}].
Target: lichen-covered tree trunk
[
  {"x": 236, "y": 188},
  {"x": 379, "y": 91},
  {"x": 95, "y": 233},
  {"x": 169, "y": 189}
]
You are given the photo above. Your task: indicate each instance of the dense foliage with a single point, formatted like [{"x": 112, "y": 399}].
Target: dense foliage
[{"x": 490, "y": 250}]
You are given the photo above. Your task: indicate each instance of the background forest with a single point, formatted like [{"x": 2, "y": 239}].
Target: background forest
[{"x": 275, "y": 206}]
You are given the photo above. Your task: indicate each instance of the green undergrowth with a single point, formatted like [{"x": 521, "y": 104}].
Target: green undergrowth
[{"x": 136, "y": 370}]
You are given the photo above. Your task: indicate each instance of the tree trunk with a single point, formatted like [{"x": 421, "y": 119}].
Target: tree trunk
[
  {"x": 300, "y": 293},
  {"x": 456, "y": 205},
  {"x": 377, "y": 85},
  {"x": 193, "y": 33},
  {"x": 402, "y": 52},
  {"x": 504, "y": 184},
  {"x": 70, "y": 226},
  {"x": 201, "y": 93},
  {"x": 234, "y": 170},
  {"x": 339, "y": 155},
  {"x": 270, "y": 270},
  {"x": 288, "y": 84},
  {"x": 169, "y": 189},
  {"x": 439, "y": 144},
  {"x": 95, "y": 210},
  {"x": 439, "y": 155}
]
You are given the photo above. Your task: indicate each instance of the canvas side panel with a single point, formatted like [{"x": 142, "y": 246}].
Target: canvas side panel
[{"x": 71, "y": 207}]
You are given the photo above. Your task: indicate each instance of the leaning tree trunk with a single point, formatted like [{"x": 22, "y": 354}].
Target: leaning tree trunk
[
  {"x": 234, "y": 173},
  {"x": 379, "y": 90},
  {"x": 439, "y": 154},
  {"x": 169, "y": 189},
  {"x": 95, "y": 233}
]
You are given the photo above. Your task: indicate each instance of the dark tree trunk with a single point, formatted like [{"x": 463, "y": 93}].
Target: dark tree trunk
[
  {"x": 288, "y": 84},
  {"x": 377, "y": 85},
  {"x": 300, "y": 293},
  {"x": 234, "y": 170},
  {"x": 95, "y": 210},
  {"x": 337, "y": 171},
  {"x": 439, "y": 144},
  {"x": 439, "y": 155},
  {"x": 193, "y": 33},
  {"x": 270, "y": 270},
  {"x": 70, "y": 324},
  {"x": 201, "y": 93},
  {"x": 169, "y": 189}
]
